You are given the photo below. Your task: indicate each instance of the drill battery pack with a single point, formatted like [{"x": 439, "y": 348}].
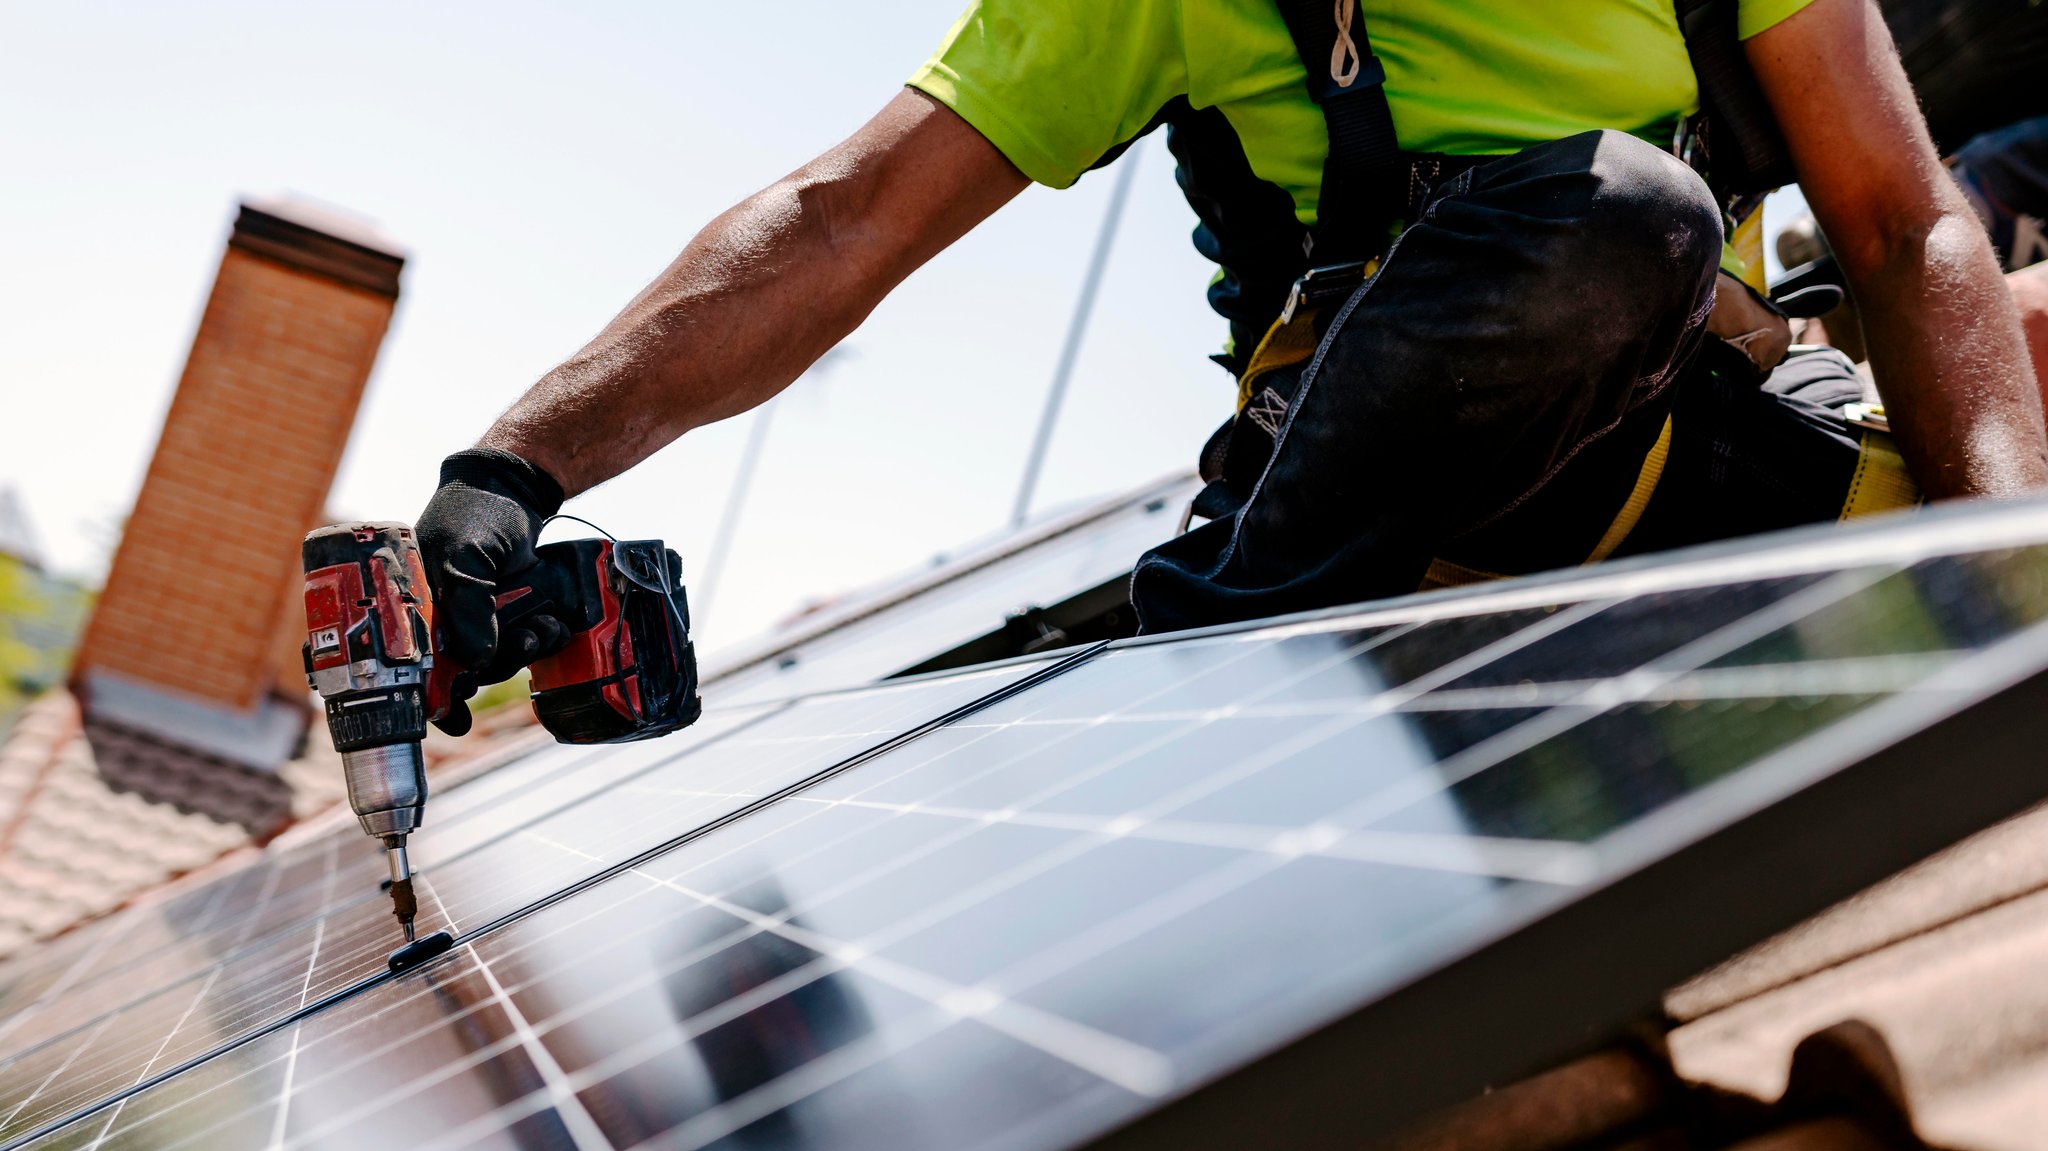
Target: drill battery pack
[{"x": 629, "y": 670}]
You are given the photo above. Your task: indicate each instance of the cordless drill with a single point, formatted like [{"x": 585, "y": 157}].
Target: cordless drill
[{"x": 628, "y": 670}]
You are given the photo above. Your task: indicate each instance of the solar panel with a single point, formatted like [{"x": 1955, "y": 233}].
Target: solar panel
[
  {"x": 228, "y": 982},
  {"x": 155, "y": 943},
  {"x": 1282, "y": 884},
  {"x": 130, "y": 957},
  {"x": 631, "y": 815}
]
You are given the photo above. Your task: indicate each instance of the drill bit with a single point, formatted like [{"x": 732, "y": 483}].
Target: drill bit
[{"x": 403, "y": 905}]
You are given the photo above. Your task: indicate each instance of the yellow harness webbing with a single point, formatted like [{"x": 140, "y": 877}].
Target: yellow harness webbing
[
  {"x": 1283, "y": 345},
  {"x": 1638, "y": 497},
  {"x": 1881, "y": 482},
  {"x": 1443, "y": 573}
]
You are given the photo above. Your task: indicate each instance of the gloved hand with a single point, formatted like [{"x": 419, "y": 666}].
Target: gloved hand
[
  {"x": 477, "y": 535},
  {"x": 1749, "y": 323}
]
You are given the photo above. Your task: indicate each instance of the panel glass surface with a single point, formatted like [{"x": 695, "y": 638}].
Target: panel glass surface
[
  {"x": 147, "y": 949},
  {"x": 1035, "y": 922},
  {"x": 501, "y": 874},
  {"x": 169, "y": 939},
  {"x": 504, "y": 855},
  {"x": 150, "y": 949}
]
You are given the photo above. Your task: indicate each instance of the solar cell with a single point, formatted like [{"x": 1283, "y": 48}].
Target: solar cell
[
  {"x": 231, "y": 920},
  {"x": 1279, "y": 883},
  {"x": 535, "y": 858},
  {"x": 504, "y": 856},
  {"x": 128, "y": 957},
  {"x": 149, "y": 948},
  {"x": 169, "y": 939},
  {"x": 102, "y": 1052}
]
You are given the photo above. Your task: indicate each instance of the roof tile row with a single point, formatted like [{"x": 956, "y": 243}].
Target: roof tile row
[{"x": 92, "y": 816}]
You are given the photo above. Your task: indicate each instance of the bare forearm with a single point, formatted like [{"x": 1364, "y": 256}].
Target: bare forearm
[
  {"x": 1949, "y": 357},
  {"x": 1943, "y": 337},
  {"x": 753, "y": 300},
  {"x": 761, "y": 293}
]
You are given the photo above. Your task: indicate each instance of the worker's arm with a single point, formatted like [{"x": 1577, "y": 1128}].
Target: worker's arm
[
  {"x": 1944, "y": 339},
  {"x": 761, "y": 293},
  {"x": 755, "y": 298}
]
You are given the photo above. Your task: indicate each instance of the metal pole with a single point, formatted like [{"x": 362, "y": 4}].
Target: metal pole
[
  {"x": 1077, "y": 328},
  {"x": 736, "y": 498}
]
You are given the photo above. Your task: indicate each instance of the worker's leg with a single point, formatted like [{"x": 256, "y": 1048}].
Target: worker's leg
[{"x": 1541, "y": 299}]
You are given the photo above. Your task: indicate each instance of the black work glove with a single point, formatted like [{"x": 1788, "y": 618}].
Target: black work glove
[{"x": 477, "y": 536}]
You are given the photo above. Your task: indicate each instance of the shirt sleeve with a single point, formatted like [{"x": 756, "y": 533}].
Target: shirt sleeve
[
  {"x": 1056, "y": 84},
  {"x": 1754, "y": 16}
]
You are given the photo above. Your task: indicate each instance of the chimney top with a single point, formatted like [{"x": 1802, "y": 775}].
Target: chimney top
[{"x": 321, "y": 240}]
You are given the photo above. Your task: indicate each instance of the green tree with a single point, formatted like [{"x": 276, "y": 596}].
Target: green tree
[
  {"x": 19, "y": 662},
  {"x": 40, "y": 618}
]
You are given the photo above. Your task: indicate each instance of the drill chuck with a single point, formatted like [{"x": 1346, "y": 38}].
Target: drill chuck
[
  {"x": 387, "y": 787},
  {"x": 378, "y": 732}
]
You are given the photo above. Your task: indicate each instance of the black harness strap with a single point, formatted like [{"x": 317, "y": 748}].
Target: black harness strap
[
  {"x": 1365, "y": 178},
  {"x": 1368, "y": 185},
  {"x": 1368, "y": 182},
  {"x": 1744, "y": 153}
]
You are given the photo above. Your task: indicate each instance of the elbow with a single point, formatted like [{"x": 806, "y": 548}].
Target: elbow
[
  {"x": 1937, "y": 232},
  {"x": 1932, "y": 263}
]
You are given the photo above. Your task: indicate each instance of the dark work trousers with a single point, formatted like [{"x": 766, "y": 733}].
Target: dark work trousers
[{"x": 1488, "y": 398}]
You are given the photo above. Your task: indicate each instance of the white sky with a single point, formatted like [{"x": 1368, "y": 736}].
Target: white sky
[{"x": 541, "y": 162}]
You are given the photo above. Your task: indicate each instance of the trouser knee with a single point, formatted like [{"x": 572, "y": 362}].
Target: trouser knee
[
  {"x": 1602, "y": 229},
  {"x": 1653, "y": 212}
]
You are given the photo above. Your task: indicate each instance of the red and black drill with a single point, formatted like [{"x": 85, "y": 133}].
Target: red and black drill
[{"x": 628, "y": 670}]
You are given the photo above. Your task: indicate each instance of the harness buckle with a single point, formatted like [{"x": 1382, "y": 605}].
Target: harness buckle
[
  {"x": 1319, "y": 286},
  {"x": 1869, "y": 416}
]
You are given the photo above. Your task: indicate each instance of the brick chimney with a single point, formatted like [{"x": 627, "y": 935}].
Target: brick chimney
[{"x": 183, "y": 643}]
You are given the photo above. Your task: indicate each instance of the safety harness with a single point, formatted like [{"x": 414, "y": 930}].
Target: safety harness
[{"x": 1371, "y": 188}]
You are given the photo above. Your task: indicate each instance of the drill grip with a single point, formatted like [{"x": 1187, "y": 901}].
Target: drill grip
[
  {"x": 562, "y": 587},
  {"x": 614, "y": 664}
]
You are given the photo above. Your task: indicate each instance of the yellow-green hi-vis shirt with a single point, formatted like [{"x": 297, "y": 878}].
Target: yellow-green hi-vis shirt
[{"x": 1060, "y": 85}]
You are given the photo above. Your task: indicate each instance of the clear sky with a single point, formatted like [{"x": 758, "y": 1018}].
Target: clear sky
[{"x": 541, "y": 163}]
